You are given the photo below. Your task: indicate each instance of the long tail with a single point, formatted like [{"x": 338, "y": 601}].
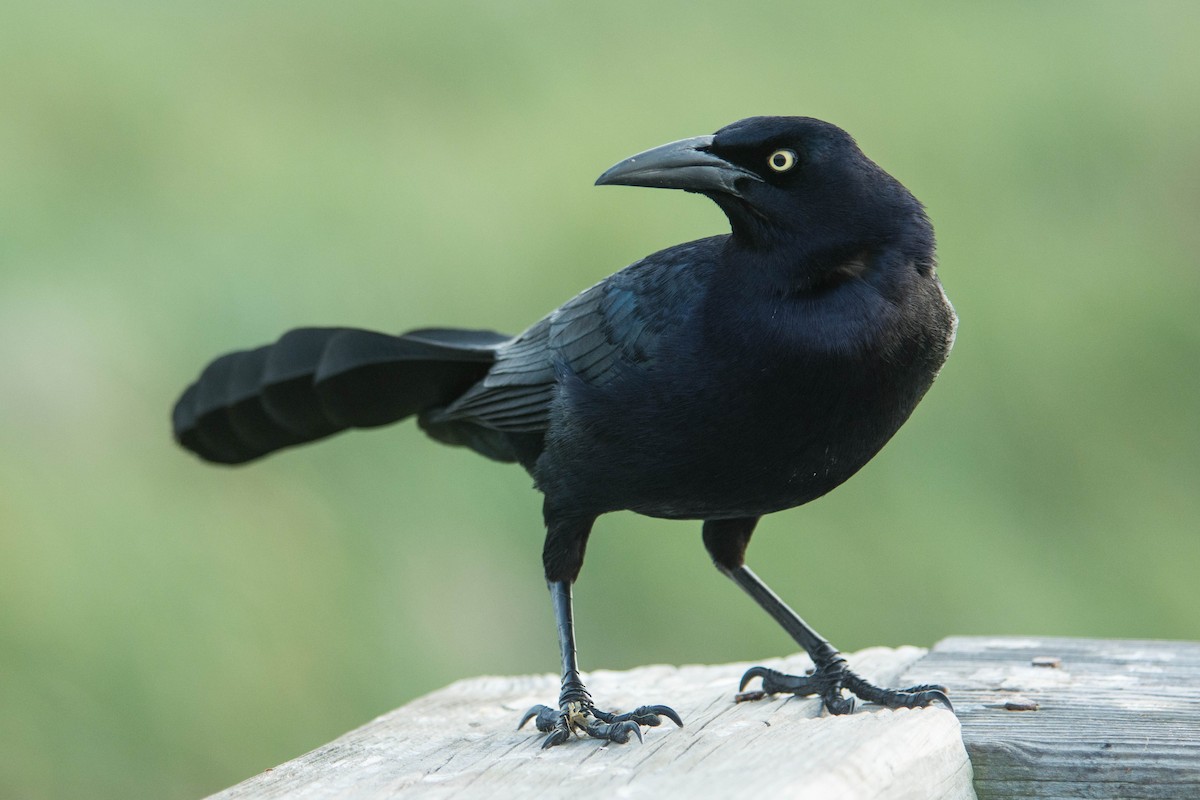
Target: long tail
[{"x": 314, "y": 382}]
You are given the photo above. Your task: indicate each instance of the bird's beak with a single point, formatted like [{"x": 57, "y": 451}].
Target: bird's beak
[{"x": 686, "y": 164}]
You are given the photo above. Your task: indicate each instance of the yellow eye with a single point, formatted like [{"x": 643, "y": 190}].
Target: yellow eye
[{"x": 782, "y": 160}]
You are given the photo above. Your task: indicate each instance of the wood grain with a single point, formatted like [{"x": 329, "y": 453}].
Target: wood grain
[
  {"x": 461, "y": 742},
  {"x": 1091, "y": 718}
]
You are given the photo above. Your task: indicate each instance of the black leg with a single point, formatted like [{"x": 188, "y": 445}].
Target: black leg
[
  {"x": 726, "y": 541},
  {"x": 566, "y": 540},
  {"x": 575, "y": 712}
]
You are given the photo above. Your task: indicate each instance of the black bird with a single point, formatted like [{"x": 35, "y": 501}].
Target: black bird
[{"x": 718, "y": 380}]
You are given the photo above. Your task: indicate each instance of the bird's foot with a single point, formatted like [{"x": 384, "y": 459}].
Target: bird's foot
[
  {"x": 580, "y": 717},
  {"x": 828, "y": 682}
]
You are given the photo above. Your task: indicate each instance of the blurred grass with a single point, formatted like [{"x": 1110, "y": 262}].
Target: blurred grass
[{"x": 177, "y": 180}]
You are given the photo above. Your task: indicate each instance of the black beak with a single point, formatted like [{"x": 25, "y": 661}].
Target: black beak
[{"x": 686, "y": 164}]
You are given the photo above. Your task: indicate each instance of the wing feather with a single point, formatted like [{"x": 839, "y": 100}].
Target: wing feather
[{"x": 615, "y": 326}]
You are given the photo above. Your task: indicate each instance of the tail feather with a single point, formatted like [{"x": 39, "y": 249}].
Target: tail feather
[
  {"x": 250, "y": 415},
  {"x": 315, "y": 382},
  {"x": 360, "y": 385},
  {"x": 287, "y": 382}
]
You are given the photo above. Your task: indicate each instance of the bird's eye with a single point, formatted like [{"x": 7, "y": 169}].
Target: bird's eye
[{"x": 782, "y": 160}]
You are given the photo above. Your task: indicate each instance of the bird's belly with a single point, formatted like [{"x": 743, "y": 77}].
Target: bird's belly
[
  {"x": 710, "y": 452},
  {"x": 747, "y": 478}
]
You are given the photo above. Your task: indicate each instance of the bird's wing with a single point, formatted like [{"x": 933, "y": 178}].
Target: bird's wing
[{"x": 616, "y": 325}]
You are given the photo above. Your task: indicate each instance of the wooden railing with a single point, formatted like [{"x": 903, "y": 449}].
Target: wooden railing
[{"x": 1035, "y": 718}]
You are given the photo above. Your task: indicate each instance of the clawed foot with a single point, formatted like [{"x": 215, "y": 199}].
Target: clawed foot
[
  {"x": 583, "y": 717},
  {"x": 828, "y": 682}
]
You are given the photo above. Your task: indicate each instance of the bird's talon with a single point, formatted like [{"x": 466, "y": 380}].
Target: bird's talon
[
  {"x": 556, "y": 738},
  {"x": 749, "y": 675},
  {"x": 936, "y": 696},
  {"x": 547, "y": 718},
  {"x": 829, "y": 680},
  {"x": 920, "y": 697},
  {"x": 652, "y": 715},
  {"x": 776, "y": 682},
  {"x": 576, "y": 717},
  {"x": 615, "y": 731},
  {"x": 838, "y": 705}
]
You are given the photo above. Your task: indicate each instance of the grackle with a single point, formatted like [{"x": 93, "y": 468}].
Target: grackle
[{"x": 717, "y": 380}]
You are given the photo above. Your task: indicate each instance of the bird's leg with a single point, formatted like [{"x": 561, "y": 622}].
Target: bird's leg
[
  {"x": 576, "y": 713},
  {"x": 726, "y": 541},
  {"x": 830, "y": 674}
]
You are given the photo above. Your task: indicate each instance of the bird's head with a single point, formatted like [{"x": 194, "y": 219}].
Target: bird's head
[{"x": 794, "y": 180}]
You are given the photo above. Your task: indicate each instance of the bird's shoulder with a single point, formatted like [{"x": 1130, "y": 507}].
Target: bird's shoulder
[
  {"x": 623, "y": 320},
  {"x": 618, "y": 324}
]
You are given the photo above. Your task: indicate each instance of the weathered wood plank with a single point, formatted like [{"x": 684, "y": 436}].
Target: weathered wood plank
[
  {"x": 1113, "y": 718},
  {"x": 460, "y": 742}
]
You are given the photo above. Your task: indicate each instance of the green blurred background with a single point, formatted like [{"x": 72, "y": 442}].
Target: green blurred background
[{"x": 182, "y": 179}]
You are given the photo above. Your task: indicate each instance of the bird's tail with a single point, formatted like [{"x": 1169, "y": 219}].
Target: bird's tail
[{"x": 314, "y": 382}]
